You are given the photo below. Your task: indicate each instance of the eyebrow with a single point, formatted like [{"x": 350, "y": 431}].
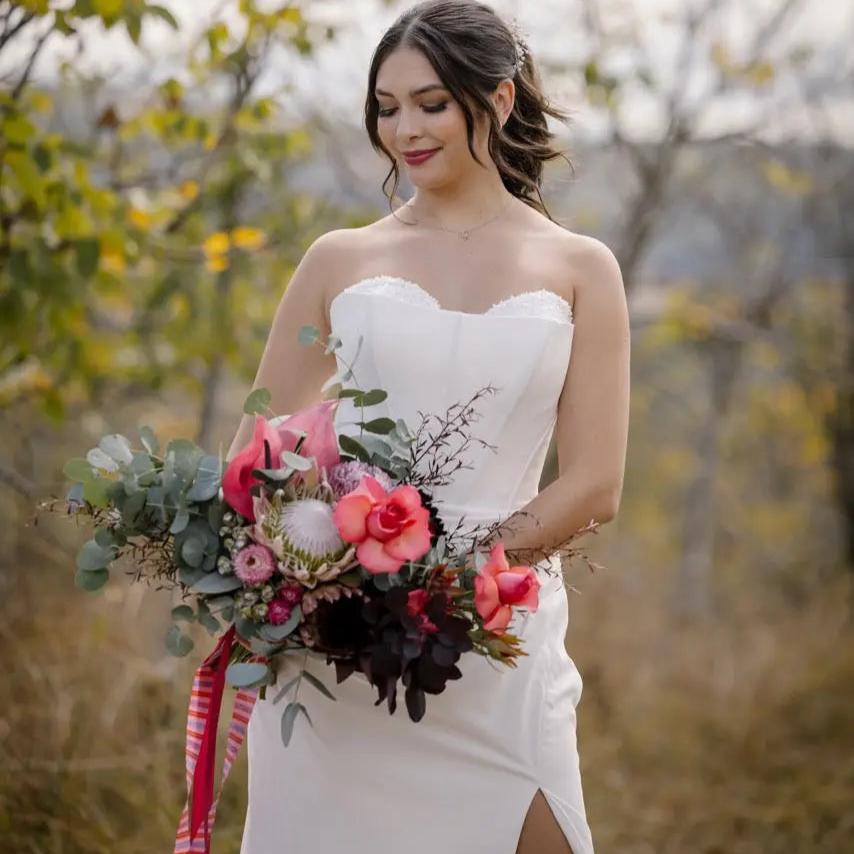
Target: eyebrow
[{"x": 413, "y": 92}]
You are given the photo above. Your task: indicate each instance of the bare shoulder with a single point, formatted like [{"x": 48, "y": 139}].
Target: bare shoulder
[{"x": 588, "y": 268}]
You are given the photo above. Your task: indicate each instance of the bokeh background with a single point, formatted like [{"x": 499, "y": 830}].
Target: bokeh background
[{"x": 163, "y": 168}]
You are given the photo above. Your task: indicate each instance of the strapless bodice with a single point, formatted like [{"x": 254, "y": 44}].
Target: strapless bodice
[{"x": 429, "y": 358}]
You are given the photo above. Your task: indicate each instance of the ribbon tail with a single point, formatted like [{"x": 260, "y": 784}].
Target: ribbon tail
[{"x": 200, "y": 746}]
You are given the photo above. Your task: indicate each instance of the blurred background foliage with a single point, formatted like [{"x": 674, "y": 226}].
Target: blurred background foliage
[{"x": 146, "y": 236}]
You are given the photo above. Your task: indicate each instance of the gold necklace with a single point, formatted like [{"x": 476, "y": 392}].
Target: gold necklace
[{"x": 466, "y": 233}]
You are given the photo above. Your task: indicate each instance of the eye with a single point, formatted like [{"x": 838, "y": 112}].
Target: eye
[{"x": 434, "y": 108}]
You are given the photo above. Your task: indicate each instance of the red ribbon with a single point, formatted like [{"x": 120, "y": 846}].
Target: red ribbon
[{"x": 200, "y": 745}]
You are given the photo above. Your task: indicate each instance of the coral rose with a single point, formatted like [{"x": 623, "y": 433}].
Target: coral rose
[
  {"x": 389, "y": 527},
  {"x": 499, "y": 587}
]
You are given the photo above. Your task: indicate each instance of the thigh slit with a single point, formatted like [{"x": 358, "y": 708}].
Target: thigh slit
[{"x": 541, "y": 831}]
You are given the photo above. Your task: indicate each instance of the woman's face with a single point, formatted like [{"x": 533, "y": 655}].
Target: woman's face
[{"x": 418, "y": 114}]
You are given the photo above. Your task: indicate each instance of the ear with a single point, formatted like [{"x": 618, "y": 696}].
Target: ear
[{"x": 503, "y": 99}]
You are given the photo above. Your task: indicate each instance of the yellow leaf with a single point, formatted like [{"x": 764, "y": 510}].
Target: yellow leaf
[
  {"x": 787, "y": 180},
  {"x": 246, "y": 237},
  {"x": 189, "y": 190},
  {"x": 217, "y": 263},
  {"x": 140, "y": 218},
  {"x": 112, "y": 260},
  {"x": 216, "y": 243}
]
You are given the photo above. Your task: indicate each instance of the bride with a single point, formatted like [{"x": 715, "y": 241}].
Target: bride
[{"x": 469, "y": 282}]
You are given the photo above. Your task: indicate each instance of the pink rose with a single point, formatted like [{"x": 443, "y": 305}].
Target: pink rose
[
  {"x": 498, "y": 587},
  {"x": 321, "y": 441},
  {"x": 390, "y": 527},
  {"x": 237, "y": 478}
]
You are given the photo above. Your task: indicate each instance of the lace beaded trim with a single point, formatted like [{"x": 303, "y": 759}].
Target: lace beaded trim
[{"x": 537, "y": 303}]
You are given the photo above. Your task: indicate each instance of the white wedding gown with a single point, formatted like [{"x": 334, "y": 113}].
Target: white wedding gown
[{"x": 459, "y": 781}]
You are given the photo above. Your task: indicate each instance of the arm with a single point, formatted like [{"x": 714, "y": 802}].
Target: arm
[
  {"x": 292, "y": 372},
  {"x": 592, "y": 419}
]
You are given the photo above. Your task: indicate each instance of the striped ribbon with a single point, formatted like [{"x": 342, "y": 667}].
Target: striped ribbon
[{"x": 200, "y": 746}]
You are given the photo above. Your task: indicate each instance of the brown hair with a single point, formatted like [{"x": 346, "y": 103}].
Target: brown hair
[{"x": 472, "y": 49}]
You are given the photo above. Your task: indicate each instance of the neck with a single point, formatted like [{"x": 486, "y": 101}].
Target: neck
[{"x": 463, "y": 203}]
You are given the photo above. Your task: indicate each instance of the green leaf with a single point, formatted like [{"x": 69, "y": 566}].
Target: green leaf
[
  {"x": 183, "y": 612},
  {"x": 214, "y": 583},
  {"x": 100, "y": 459},
  {"x": 95, "y": 491},
  {"x": 79, "y": 470},
  {"x": 87, "y": 253},
  {"x": 242, "y": 674},
  {"x": 93, "y": 557},
  {"x": 287, "y": 687},
  {"x": 107, "y": 538},
  {"x": 207, "y": 480},
  {"x": 208, "y": 620},
  {"x": 117, "y": 447},
  {"x": 371, "y": 398},
  {"x": 288, "y": 718},
  {"x": 91, "y": 580},
  {"x": 193, "y": 551},
  {"x": 308, "y": 334},
  {"x": 257, "y": 402},
  {"x": 149, "y": 440},
  {"x": 313, "y": 680},
  {"x": 351, "y": 446},
  {"x": 378, "y": 425},
  {"x": 179, "y": 523},
  {"x": 178, "y": 644}
]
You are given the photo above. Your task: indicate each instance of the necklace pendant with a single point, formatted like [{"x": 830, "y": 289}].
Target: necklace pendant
[{"x": 464, "y": 235}]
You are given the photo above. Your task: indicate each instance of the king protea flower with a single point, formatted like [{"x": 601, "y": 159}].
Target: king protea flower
[{"x": 303, "y": 536}]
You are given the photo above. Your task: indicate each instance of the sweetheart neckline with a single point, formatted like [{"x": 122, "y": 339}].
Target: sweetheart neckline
[{"x": 437, "y": 306}]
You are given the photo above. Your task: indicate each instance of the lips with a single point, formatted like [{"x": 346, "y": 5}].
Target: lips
[{"x": 415, "y": 157}]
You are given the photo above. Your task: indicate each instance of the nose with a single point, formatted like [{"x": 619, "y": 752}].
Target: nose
[{"x": 408, "y": 125}]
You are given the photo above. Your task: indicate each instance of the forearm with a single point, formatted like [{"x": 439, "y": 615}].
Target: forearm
[{"x": 548, "y": 522}]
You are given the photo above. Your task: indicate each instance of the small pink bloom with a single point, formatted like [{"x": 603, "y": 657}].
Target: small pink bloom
[
  {"x": 390, "y": 528},
  {"x": 499, "y": 587},
  {"x": 290, "y": 593},
  {"x": 237, "y": 478},
  {"x": 321, "y": 441},
  {"x": 279, "y": 611},
  {"x": 254, "y": 564},
  {"x": 415, "y": 603}
]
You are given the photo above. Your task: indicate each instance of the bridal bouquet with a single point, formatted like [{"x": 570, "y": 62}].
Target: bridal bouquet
[{"x": 305, "y": 543}]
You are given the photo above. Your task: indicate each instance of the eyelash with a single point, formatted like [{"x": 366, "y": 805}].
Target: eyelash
[{"x": 434, "y": 109}]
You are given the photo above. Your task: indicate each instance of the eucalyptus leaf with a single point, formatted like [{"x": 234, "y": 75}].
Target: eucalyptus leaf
[
  {"x": 118, "y": 447},
  {"x": 91, "y": 580},
  {"x": 181, "y": 520},
  {"x": 79, "y": 470},
  {"x": 149, "y": 440},
  {"x": 100, "y": 459},
  {"x": 308, "y": 334},
  {"x": 206, "y": 619},
  {"x": 213, "y": 582},
  {"x": 371, "y": 398},
  {"x": 257, "y": 402},
  {"x": 186, "y": 457},
  {"x": 286, "y": 687},
  {"x": 208, "y": 478},
  {"x": 241, "y": 674},
  {"x": 378, "y": 425},
  {"x": 288, "y": 717},
  {"x": 183, "y": 612},
  {"x": 353, "y": 447},
  {"x": 313, "y": 680},
  {"x": 93, "y": 557},
  {"x": 178, "y": 644}
]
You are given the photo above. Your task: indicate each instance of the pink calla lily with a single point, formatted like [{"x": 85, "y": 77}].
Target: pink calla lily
[
  {"x": 237, "y": 478},
  {"x": 321, "y": 441}
]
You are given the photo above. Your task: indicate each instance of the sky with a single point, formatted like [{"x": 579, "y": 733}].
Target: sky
[{"x": 333, "y": 82}]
